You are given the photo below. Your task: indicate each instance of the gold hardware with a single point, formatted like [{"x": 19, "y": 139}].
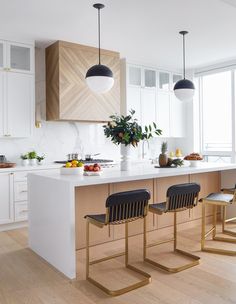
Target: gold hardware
[
  {"x": 212, "y": 231},
  {"x": 178, "y": 251},
  {"x": 147, "y": 278}
]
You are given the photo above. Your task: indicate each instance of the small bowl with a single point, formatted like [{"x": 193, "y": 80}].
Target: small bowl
[{"x": 194, "y": 163}]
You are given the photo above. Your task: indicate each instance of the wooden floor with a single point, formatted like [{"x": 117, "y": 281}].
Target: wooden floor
[{"x": 26, "y": 278}]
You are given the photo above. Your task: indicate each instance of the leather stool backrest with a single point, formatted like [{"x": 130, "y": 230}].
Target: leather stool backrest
[
  {"x": 127, "y": 206},
  {"x": 182, "y": 196}
]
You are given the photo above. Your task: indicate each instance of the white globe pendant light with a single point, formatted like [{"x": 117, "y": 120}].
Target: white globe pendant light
[
  {"x": 99, "y": 78},
  {"x": 184, "y": 89}
]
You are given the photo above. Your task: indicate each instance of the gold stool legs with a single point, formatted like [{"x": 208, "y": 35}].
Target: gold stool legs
[
  {"x": 146, "y": 280},
  {"x": 213, "y": 232},
  {"x": 179, "y": 251}
]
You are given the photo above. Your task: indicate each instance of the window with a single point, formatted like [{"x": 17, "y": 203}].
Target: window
[
  {"x": 216, "y": 112},
  {"x": 217, "y": 122}
]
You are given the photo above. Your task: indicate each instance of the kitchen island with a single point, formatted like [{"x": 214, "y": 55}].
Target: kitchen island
[{"x": 58, "y": 204}]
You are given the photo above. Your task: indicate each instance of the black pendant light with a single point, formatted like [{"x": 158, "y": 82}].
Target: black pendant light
[
  {"x": 184, "y": 88},
  {"x": 99, "y": 77}
]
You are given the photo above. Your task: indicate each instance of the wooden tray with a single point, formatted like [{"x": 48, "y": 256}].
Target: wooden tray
[
  {"x": 7, "y": 165},
  {"x": 165, "y": 167}
]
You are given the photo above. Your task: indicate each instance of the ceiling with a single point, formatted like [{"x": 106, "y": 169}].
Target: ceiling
[{"x": 144, "y": 31}]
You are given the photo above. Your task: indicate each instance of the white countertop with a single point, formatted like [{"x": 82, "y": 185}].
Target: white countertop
[
  {"x": 113, "y": 175},
  {"x": 31, "y": 168}
]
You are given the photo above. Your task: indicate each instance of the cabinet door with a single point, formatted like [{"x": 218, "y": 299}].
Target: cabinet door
[
  {"x": 134, "y": 75},
  {"x": 163, "y": 113},
  {"x": 20, "y": 57},
  {"x": 149, "y": 78},
  {"x": 3, "y": 60},
  {"x": 164, "y": 81},
  {"x": 175, "y": 78},
  {"x": 134, "y": 101},
  {"x": 177, "y": 117},
  {"x": 6, "y": 200},
  {"x": 2, "y": 100},
  {"x": 148, "y": 106},
  {"x": 19, "y": 104}
]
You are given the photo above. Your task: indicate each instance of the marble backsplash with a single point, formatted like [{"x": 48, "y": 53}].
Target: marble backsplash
[{"x": 57, "y": 139}]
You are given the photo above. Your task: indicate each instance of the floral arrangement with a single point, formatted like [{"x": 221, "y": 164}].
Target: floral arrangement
[{"x": 126, "y": 130}]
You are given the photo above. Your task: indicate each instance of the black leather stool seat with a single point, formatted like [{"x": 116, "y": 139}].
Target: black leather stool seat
[
  {"x": 158, "y": 208},
  {"x": 97, "y": 217},
  {"x": 220, "y": 197}
]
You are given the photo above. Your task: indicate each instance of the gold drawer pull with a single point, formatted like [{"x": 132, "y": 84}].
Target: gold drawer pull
[{"x": 24, "y": 211}]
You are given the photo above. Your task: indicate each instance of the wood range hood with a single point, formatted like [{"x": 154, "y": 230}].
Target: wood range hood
[{"x": 68, "y": 97}]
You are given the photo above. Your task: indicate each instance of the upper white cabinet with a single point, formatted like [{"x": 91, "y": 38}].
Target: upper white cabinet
[
  {"x": 149, "y": 92},
  {"x": 19, "y": 104},
  {"x": 16, "y": 57},
  {"x": 16, "y": 89}
]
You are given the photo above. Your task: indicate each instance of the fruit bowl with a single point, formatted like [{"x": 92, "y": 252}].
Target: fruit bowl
[
  {"x": 91, "y": 173},
  {"x": 92, "y": 170},
  {"x": 72, "y": 170}
]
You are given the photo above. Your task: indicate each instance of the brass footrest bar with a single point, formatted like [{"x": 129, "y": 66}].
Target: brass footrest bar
[
  {"x": 107, "y": 258},
  {"x": 230, "y": 220},
  {"x": 229, "y": 232},
  {"x": 210, "y": 231},
  {"x": 223, "y": 239},
  {"x": 219, "y": 251},
  {"x": 118, "y": 292},
  {"x": 178, "y": 268},
  {"x": 160, "y": 242}
]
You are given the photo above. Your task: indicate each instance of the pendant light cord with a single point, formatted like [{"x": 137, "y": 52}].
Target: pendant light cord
[
  {"x": 184, "y": 54},
  {"x": 99, "y": 37}
]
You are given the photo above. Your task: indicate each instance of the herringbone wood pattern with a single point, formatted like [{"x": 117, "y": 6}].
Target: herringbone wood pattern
[{"x": 68, "y": 97}]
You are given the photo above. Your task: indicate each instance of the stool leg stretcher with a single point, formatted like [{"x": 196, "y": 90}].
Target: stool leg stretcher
[
  {"x": 176, "y": 250},
  {"x": 213, "y": 231},
  {"x": 146, "y": 277}
]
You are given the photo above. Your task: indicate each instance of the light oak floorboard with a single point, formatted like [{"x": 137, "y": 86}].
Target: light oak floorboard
[{"x": 26, "y": 278}]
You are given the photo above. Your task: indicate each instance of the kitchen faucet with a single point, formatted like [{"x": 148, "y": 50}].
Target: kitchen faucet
[{"x": 143, "y": 148}]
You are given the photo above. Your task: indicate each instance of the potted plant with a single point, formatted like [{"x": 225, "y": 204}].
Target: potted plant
[
  {"x": 24, "y": 159},
  {"x": 32, "y": 158},
  {"x": 163, "y": 157},
  {"x": 125, "y": 131},
  {"x": 40, "y": 159}
]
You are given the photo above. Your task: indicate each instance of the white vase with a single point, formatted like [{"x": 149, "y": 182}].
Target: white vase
[
  {"x": 125, "y": 163},
  {"x": 24, "y": 162},
  {"x": 33, "y": 162}
]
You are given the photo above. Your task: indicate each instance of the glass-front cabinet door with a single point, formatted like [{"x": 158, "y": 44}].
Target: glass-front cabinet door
[
  {"x": 134, "y": 75},
  {"x": 2, "y": 54},
  {"x": 149, "y": 78},
  {"x": 164, "y": 81},
  {"x": 20, "y": 57}
]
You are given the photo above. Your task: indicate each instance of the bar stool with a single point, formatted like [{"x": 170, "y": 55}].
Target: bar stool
[
  {"x": 224, "y": 199},
  {"x": 121, "y": 208},
  {"x": 178, "y": 198}
]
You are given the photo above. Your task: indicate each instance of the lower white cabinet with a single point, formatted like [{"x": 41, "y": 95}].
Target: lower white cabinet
[
  {"x": 6, "y": 198},
  {"x": 177, "y": 117},
  {"x": 14, "y": 195}
]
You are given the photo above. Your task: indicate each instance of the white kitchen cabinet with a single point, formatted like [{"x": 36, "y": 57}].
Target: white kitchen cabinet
[
  {"x": 20, "y": 57},
  {"x": 2, "y": 101},
  {"x": 19, "y": 104},
  {"x": 133, "y": 101},
  {"x": 163, "y": 113},
  {"x": 177, "y": 117},
  {"x": 149, "y": 92},
  {"x": 6, "y": 198},
  {"x": 148, "y": 106}
]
